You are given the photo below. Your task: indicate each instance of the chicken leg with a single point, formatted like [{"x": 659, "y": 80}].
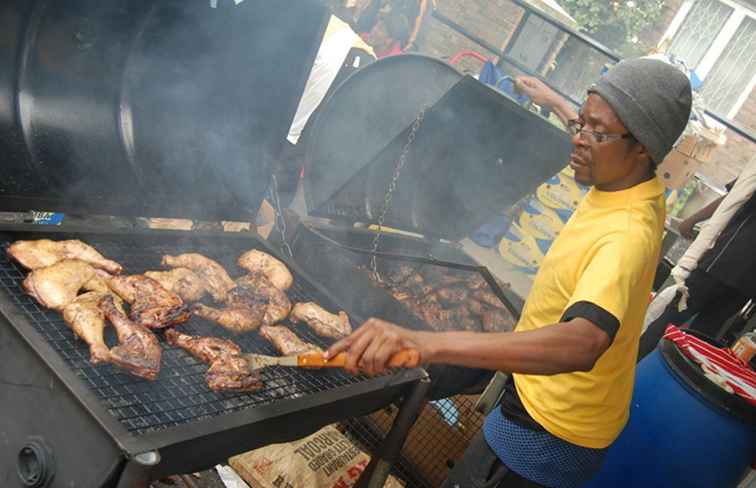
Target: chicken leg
[
  {"x": 138, "y": 350},
  {"x": 87, "y": 320},
  {"x": 151, "y": 305}
]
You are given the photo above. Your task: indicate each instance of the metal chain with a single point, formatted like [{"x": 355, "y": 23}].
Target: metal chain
[
  {"x": 280, "y": 222},
  {"x": 391, "y": 188}
]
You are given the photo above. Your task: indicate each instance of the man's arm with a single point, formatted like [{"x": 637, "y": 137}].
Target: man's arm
[
  {"x": 686, "y": 226},
  {"x": 544, "y": 96},
  {"x": 561, "y": 348}
]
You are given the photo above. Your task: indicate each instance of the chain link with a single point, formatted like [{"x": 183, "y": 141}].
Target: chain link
[
  {"x": 391, "y": 188},
  {"x": 280, "y": 221}
]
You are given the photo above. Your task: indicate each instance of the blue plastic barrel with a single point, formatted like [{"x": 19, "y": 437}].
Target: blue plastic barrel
[{"x": 683, "y": 430}]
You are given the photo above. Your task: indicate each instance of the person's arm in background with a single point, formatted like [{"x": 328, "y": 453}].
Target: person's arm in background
[
  {"x": 686, "y": 226},
  {"x": 544, "y": 96},
  {"x": 423, "y": 8}
]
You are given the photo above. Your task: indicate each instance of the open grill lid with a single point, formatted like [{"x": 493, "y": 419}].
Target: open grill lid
[
  {"x": 166, "y": 108},
  {"x": 475, "y": 154}
]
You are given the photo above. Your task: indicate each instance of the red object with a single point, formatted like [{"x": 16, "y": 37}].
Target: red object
[
  {"x": 467, "y": 54},
  {"x": 737, "y": 374}
]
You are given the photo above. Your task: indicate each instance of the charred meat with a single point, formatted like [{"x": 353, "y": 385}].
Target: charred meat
[
  {"x": 138, "y": 350},
  {"x": 255, "y": 288},
  {"x": 228, "y": 371},
  {"x": 151, "y": 305}
]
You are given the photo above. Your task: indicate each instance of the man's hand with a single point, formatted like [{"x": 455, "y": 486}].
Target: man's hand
[
  {"x": 686, "y": 228},
  {"x": 537, "y": 90},
  {"x": 371, "y": 346}
]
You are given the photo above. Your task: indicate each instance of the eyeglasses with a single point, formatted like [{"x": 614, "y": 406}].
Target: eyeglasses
[{"x": 576, "y": 127}]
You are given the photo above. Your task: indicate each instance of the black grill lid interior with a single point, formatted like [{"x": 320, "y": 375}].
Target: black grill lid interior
[
  {"x": 476, "y": 153},
  {"x": 153, "y": 108},
  {"x": 367, "y": 111}
]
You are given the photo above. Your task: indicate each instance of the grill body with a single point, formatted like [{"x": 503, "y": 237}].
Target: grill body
[{"x": 97, "y": 422}]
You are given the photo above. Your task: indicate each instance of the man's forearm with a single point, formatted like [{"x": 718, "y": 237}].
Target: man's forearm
[
  {"x": 705, "y": 212},
  {"x": 563, "y": 110},
  {"x": 555, "y": 349}
]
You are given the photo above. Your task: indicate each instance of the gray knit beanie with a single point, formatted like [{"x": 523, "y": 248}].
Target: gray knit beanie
[{"x": 651, "y": 98}]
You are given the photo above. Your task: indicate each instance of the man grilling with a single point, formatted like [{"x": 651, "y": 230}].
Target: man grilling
[{"x": 574, "y": 349}]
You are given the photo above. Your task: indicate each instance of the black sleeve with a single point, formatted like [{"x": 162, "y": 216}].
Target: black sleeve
[{"x": 599, "y": 316}]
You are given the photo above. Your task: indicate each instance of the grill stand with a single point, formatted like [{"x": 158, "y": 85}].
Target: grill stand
[{"x": 377, "y": 470}]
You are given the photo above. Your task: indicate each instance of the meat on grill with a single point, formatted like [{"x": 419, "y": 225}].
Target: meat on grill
[
  {"x": 205, "y": 349},
  {"x": 99, "y": 282},
  {"x": 87, "y": 320},
  {"x": 285, "y": 341},
  {"x": 488, "y": 298},
  {"x": 45, "y": 252},
  {"x": 151, "y": 305},
  {"x": 181, "y": 281},
  {"x": 455, "y": 295},
  {"x": 236, "y": 319},
  {"x": 321, "y": 321},
  {"x": 216, "y": 280},
  {"x": 256, "y": 261},
  {"x": 497, "y": 320},
  {"x": 138, "y": 350},
  {"x": 255, "y": 287},
  {"x": 57, "y": 285},
  {"x": 228, "y": 371}
]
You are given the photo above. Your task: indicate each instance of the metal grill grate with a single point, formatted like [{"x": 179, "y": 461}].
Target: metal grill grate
[{"x": 180, "y": 394}]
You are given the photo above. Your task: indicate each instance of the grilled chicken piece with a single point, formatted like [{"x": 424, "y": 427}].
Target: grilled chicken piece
[
  {"x": 216, "y": 280},
  {"x": 44, "y": 252},
  {"x": 56, "y": 286},
  {"x": 138, "y": 350},
  {"x": 181, "y": 281},
  {"x": 236, "y": 319},
  {"x": 452, "y": 295},
  {"x": 285, "y": 341},
  {"x": 475, "y": 307},
  {"x": 497, "y": 320},
  {"x": 87, "y": 320},
  {"x": 205, "y": 349},
  {"x": 151, "y": 305},
  {"x": 99, "y": 282},
  {"x": 321, "y": 321},
  {"x": 488, "y": 298},
  {"x": 228, "y": 370},
  {"x": 256, "y": 261},
  {"x": 255, "y": 287}
]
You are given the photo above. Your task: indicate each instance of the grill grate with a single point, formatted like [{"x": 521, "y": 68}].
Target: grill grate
[{"x": 180, "y": 394}]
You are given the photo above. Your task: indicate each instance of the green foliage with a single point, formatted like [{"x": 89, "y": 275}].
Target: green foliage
[{"x": 617, "y": 24}]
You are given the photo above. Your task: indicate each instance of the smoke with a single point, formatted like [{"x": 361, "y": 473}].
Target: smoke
[{"x": 166, "y": 108}]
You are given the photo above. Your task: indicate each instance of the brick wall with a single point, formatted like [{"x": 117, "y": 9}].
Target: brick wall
[{"x": 492, "y": 20}]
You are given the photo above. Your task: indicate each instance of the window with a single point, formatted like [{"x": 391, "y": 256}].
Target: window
[{"x": 717, "y": 39}]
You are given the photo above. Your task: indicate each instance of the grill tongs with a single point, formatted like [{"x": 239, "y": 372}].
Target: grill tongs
[{"x": 407, "y": 358}]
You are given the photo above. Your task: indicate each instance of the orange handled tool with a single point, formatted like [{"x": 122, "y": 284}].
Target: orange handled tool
[{"x": 407, "y": 358}]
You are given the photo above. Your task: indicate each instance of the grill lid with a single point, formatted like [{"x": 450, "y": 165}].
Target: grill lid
[
  {"x": 149, "y": 108},
  {"x": 475, "y": 154}
]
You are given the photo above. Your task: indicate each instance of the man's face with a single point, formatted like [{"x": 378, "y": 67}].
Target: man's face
[{"x": 609, "y": 165}]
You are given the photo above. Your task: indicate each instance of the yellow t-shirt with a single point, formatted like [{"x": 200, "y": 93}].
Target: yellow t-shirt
[{"x": 604, "y": 258}]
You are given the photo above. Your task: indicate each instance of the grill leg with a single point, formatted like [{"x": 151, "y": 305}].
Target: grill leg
[{"x": 377, "y": 470}]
